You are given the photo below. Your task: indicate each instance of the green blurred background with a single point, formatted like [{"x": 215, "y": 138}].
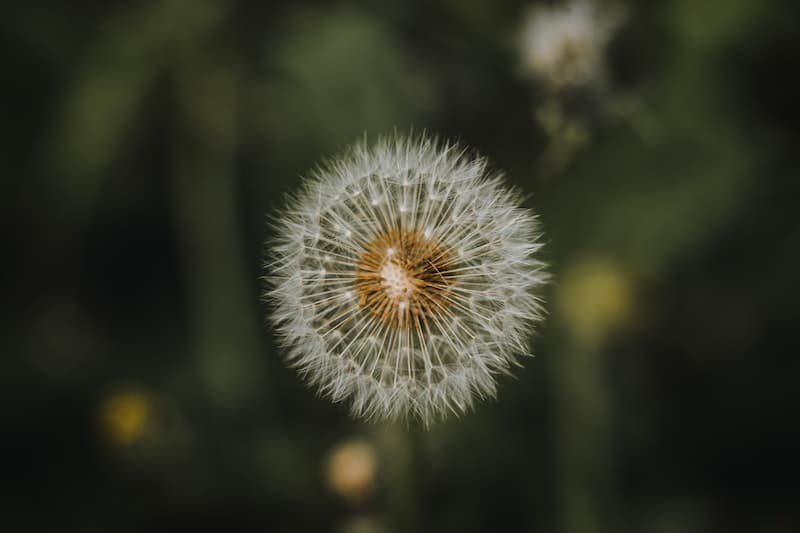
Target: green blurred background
[{"x": 144, "y": 143}]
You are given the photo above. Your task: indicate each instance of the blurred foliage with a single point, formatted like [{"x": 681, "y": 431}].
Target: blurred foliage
[{"x": 144, "y": 143}]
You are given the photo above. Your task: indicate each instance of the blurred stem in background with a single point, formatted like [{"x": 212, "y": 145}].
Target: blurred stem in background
[
  {"x": 583, "y": 447},
  {"x": 594, "y": 298},
  {"x": 103, "y": 105},
  {"x": 398, "y": 444},
  {"x": 225, "y": 335}
]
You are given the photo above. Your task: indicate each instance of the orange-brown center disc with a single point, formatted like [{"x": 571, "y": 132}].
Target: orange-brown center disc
[{"x": 404, "y": 278}]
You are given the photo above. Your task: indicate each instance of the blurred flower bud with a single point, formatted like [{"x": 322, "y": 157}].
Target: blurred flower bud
[
  {"x": 124, "y": 416},
  {"x": 595, "y": 297},
  {"x": 362, "y": 524},
  {"x": 564, "y": 45},
  {"x": 350, "y": 470}
]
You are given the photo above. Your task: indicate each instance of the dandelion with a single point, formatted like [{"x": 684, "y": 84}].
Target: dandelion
[
  {"x": 403, "y": 279},
  {"x": 564, "y": 45}
]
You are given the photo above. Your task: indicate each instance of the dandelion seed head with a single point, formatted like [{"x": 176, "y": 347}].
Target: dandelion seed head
[
  {"x": 429, "y": 293},
  {"x": 564, "y": 45}
]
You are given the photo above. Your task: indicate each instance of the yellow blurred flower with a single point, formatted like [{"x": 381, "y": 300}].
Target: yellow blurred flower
[
  {"x": 595, "y": 297},
  {"x": 350, "y": 470},
  {"x": 124, "y": 416}
]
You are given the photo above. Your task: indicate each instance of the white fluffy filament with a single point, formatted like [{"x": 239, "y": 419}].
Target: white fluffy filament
[{"x": 403, "y": 279}]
